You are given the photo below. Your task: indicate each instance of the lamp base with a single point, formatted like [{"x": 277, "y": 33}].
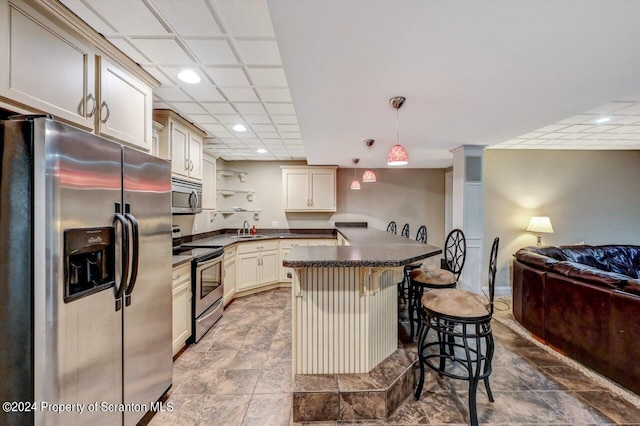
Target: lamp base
[{"x": 539, "y": 239}]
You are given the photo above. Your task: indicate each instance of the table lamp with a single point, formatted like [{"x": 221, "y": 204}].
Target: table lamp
[{"x": 540, "y": 224}]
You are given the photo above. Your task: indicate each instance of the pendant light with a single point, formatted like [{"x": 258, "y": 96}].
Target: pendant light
[
  {"x": 355, "y": 184},
  {"x": 398, "y": 155},
  {"x": 369, "y": 175}
]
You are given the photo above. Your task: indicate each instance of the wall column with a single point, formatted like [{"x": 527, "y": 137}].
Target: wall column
[{"x": 467, "y": 211}]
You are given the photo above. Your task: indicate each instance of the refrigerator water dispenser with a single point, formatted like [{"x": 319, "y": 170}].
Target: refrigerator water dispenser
[{"x": 88, "y": 261}]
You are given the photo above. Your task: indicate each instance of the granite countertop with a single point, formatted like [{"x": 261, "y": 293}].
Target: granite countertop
[
  {"x": 226, "y": 240},
  {"x": 369, "y": 247}
]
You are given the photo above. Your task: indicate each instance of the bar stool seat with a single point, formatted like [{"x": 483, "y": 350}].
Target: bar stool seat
[
  {"x": 433, "y": 278},
  {"x": 454, "y": 302}
]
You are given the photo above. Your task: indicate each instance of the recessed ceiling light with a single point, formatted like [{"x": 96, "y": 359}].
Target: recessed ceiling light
[
  {"x": 602, "y": 120},
  {"x": 239, "y": 128},
  {"x": 189, "y": 76},
  {"x": 261, "y": 151}
]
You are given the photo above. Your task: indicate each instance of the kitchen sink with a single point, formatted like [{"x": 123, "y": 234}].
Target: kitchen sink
[{"x": 247, "y": 237}]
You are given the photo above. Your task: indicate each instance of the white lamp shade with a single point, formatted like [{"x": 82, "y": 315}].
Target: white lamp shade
[
  {"x": 540, "y": 224},
  {"x": 355, "y": 184}
]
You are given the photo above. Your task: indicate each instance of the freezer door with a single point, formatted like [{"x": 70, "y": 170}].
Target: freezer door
[
  {"x": 78, "y": 350},
  {"x": 147, "y": 309}
]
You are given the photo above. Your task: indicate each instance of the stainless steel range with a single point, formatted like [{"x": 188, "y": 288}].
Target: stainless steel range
[{"x": 206, "y": 285}]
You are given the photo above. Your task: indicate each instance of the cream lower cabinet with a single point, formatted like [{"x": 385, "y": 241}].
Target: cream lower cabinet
[
  {"x": 257, "y": 264},
  {"x": 181, "y": 315},
  {"x": 287, "y": 245},
  {"x": 230, "y": 273}
]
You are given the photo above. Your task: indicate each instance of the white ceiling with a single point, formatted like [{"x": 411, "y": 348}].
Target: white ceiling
[{"x": 503, "y": 73}]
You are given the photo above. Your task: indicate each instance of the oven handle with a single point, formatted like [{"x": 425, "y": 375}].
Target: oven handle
[
  {"x": 135, "y": 234},
  {"x": 124, "y": 274}
]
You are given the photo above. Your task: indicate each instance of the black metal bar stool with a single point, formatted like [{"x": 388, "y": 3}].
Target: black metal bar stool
[
  {"x": 392, "y": 228},
  {"x": 403, "y": 286},
  {"x": 446, "y": 277},
  {"x": 405, "y": 230},
  {"x": 462, "y": 322}
]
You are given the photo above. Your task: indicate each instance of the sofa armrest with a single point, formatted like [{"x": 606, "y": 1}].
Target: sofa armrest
[
  {"x": 632, "y": 287},
  {"x": 535, "y": 260},
  {"x": 590, "y": 274}
]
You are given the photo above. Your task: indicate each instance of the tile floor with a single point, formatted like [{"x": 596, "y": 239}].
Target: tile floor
[{"x": 240, "y": 374}]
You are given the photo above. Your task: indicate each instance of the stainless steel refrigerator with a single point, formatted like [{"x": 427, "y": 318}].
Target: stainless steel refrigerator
[{"x": 85, "y": 276}]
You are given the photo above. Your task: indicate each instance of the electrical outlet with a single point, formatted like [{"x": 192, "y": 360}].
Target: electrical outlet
[{"x": 274, "y": 223}]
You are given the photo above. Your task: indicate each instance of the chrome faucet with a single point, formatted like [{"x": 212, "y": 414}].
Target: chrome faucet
[{"x": 245, "y": 228}]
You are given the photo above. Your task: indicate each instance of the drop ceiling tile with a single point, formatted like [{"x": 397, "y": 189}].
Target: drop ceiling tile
[
  {"x": 138, "y": 20},
  {"x": 230, "y": 119},
  {"x": 240, "y": 94},
  {"x": 263, "y": 127},
  {"x": 219, "y": 107},
  {"x": 576, "y": 128},
  {"x": 609, "y": 108},
  {"x": 552, "y": 128},
  {"x": 245, "y": 135},
  {"x": 203, "y": 92},
  {"x": 159, "y": 75},
  {"x": 162, "y": 51},
  {"x": 631, "y": 109},
  {"x": 246, "y": 18},
  {"x": 89, "y": 17},
  {"x": 293, "y": 135},
  {"x": 161, "y": 105},
  {"x": 128, "y": 50},
  {"x": 257, "y": 119},
  {"x": 280, "y": 108},
  {"x": 274, "y": 95},
  {"x": 213, "y": 52},
  {"x": 267, "y": 77},
  {"x": 171, "y": 94},
  {"x": 284, "y": 119},
  {"x": 625, "y": 119},
  {"x": 600, "y": 128},
  {"x": 223, "y": 135},
  {"x": 288, "y": 128},
  {"x": 215, "y": 129},
  {"x": 187, "y": 108},
  {"x": 268, "y": 135},
  {"x": 259, "y": 52},
  {"x": 578, "y": 119},
  {"x": 202, "y": 119},
  {"x": 194, "y": 20},
  {"x": 250, "y": 107},
  {"x": 253, "y": 142},
  {"x": 283, "y": 157},
  {"x": 227, "y": 77}
]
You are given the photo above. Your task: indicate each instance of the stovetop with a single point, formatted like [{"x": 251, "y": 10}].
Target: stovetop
[{"x": 198, "y": 254}]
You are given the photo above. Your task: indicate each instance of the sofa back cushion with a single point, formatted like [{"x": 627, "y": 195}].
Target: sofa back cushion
[{"x": 590, "y": 274}]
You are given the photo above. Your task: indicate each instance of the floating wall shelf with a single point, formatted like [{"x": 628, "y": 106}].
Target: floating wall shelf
[
  {"x": 256, "y": 213},
  {"x": 230, "y": 192},
  {"x": 232, "y": 173}
]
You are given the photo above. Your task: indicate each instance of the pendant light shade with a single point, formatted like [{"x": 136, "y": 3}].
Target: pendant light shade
[
  {"x": 398, "y": 155},
  {"x": 355, "y": 184},
  {"x": 369, "y": 176}
]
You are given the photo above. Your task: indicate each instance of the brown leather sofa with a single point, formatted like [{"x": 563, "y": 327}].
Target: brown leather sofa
[{"x": 584, "y": 301}]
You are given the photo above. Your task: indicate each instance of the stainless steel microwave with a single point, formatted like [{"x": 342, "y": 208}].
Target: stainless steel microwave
[{"x": 186, "y": 196}]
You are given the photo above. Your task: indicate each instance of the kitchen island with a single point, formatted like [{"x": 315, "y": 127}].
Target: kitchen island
[{"x": 345, "y": 300}]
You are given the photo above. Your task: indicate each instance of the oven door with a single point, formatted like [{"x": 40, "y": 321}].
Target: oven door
[{"x": 208, "y": 284}]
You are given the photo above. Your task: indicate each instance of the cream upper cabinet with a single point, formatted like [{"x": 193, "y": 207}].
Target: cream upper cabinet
[
  {"x": 125, "y": 106},
  {"x": 309, "y": 188},
  {"x": 180, "y": 142},
  {"x": 44, "y": 67},
  {"x": 208, "y": 183}
]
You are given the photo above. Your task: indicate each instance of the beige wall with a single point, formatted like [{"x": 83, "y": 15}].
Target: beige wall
[
  {"x": 414, "y": 196},
  {"x": 590, "y": 196}
]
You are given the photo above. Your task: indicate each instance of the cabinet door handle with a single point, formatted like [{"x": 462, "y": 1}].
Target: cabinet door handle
[
  {"x": 192, "y": 166},
  {"x": 104, "y": 105},
  {"x": 311, "y": 200},
  {"x": 95, "y": 105},
  {"x": 186, "y": 165}
]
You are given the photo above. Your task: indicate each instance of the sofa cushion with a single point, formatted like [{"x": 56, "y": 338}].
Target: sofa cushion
[
  {"x": 632, "y": 287},
  {"x": 623, "y": 260},
  {"x": 590, "y": 274}
]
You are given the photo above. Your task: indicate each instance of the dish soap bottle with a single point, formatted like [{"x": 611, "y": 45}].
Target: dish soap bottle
[{"x": 254, "y": 231}]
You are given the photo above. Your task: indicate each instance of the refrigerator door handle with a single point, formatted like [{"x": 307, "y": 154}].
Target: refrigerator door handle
[
  {"x": 135, "y": 240},
  {"x": 125, "y": 258}
]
